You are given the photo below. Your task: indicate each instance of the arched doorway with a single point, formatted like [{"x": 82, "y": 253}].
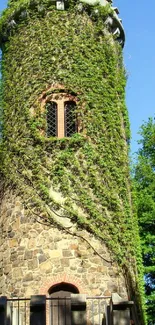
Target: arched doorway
[{"x": 60, "y": 303}]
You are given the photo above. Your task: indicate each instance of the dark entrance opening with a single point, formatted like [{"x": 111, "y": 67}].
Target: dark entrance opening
[{"x": 60, "y": 303}]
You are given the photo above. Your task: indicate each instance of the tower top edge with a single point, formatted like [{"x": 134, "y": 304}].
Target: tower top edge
[
  {"x": 102, "y": 2},
  {"x": 18, "y": 10}
]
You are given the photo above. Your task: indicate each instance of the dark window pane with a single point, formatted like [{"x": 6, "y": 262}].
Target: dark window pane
[
  {"x": 70, "y": 118},
  {"x": 51, "y": 119}
]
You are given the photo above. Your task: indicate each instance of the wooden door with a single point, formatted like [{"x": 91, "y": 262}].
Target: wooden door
[{"x": 60, "y": 309}]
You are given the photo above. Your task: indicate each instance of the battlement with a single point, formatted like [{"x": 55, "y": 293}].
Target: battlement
[{"x": 18, "y": 12}]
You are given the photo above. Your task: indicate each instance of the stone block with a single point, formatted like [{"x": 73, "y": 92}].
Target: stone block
[
  {"x": 95, "y": 260},
  {"x": 7, "y": 269},
  {"x": 28, "y": 255},
  {"x": 66, "y": 253},
  {"x": 33, "y": 264},
  {"x": 92, "y": 269},
  {"x": 57, "y": 238},
  {"x": 11, "y": 234},
  {"x": 9, "y": 213},
  {"x": 13, "y": 257},
  {"x": 74, "y": 246},
  {"x": 33, "y": 233},
  {"x": 107, "y": 293},
  {"x": 42, "y": 258},
  {"x": 17, "y": 263},
  {"x": 65, "y": 261},
  {"x": 59, "y": 269},
  {"x": 32, "y": 243},
  {"x": 73, "y": 268},
  {"x": 84, "y": 253},
  {"x": 82, "y": 270},
  {"x": 13, "y": 242},
  {"x": 24, "y": 242},
  {"x": 45, "y": 266},
  {"x": 55, "y": 253},
  {"x": 16, "y": 224},
  {"x": 101, "y": 269},
  {"x": 17, "y": 273},
  {"x": 96, "y": 292},
  {"x": 28, "y": 277}
]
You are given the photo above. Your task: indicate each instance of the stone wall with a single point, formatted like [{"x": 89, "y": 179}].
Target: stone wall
[{"x": 34, "y": 257}]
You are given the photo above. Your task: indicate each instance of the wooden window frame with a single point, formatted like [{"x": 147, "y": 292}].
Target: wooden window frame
[{"x": 60, "y": 98}]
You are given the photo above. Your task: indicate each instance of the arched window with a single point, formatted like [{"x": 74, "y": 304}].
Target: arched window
[
  {"x": 61, "y": 116},
  {"x": 70, "y": 120},
  {"x": 51, "y": 108}
]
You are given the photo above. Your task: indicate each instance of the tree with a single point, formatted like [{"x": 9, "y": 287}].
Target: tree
[{"x": 145, "y": 184}]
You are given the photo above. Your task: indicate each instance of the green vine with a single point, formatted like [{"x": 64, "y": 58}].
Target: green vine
[{"x": 85, "y": 177}]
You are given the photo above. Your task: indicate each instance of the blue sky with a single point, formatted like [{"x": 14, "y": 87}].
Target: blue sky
[{"x": 139, "y": 60}]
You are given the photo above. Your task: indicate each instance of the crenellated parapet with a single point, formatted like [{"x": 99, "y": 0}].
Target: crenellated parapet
[
  {"x": 114, "y": 23},
  {"x": 19, "y": 11}
]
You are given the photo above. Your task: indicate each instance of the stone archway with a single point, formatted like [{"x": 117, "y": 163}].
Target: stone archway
[{"x": 60, "y": 303}]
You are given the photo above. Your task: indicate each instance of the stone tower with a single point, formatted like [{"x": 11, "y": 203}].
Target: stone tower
[{"x": 66, "y": 215}]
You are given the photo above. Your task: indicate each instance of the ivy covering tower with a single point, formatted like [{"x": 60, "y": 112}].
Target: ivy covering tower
[{"x": 66, "y": 210}]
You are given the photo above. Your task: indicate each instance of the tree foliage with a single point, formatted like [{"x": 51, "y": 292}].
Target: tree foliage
[{"x": 145, "y": 183}]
